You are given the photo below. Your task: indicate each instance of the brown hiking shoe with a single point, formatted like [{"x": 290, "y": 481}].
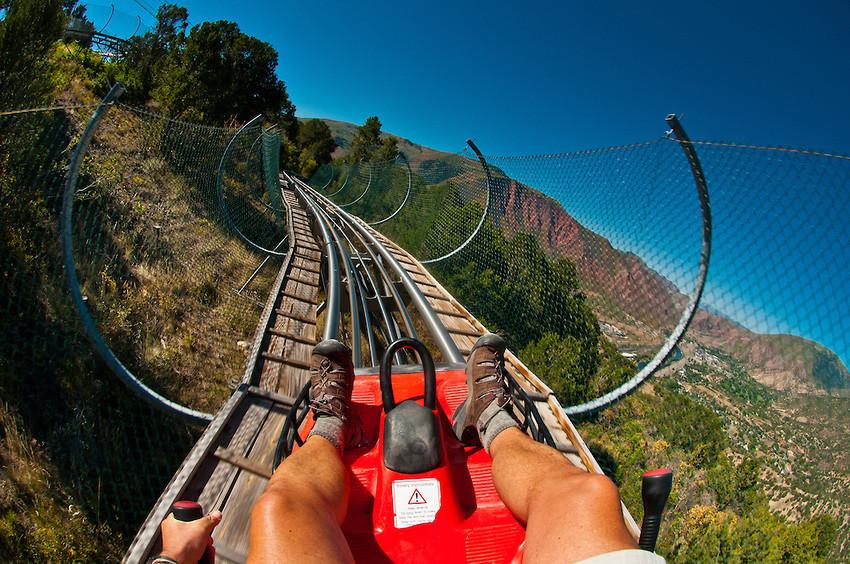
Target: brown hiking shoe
[
  {"x": 487, "y": 388},
  {"x": 331, "y": 379}
]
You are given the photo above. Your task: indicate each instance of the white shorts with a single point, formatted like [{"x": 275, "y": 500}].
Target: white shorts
[{"x": 631, "y": 556}]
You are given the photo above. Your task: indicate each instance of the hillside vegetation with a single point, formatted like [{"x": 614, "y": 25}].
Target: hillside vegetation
[
  {"x": 83, "y": 459},
  {"x": 746, "y": 485}
]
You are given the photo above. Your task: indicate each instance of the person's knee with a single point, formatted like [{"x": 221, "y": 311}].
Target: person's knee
[
  {"x": 585, "y": 489},
  {"x": 272, "y": 504},
  {"x": 595, "y": 492}
]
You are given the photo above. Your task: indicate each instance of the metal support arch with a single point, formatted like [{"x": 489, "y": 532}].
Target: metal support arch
[
  {"x": 220, "y": 189},
  {"x": 98, "y": 344},
  {"x": 328, "y": 183},
  {"x": 368, "y": 185},
  {"x": 486, "y": 206},
  {"x": 699, "y": 284},
  {"x": 345, "y": 183},
  {"x": 406, "y": 196}
]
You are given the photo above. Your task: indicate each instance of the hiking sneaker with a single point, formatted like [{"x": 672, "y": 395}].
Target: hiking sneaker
[
  {"x": 331, "y": 380},
  {"x": 487, "y": 393}
]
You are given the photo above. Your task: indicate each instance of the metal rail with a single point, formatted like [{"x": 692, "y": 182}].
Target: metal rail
[
  {"x": 699, "y": 283},
  {"x": 438, "y": 332},
  {"x": 331, "y": 329},
  {"x": 328, "y": 183},
  {"x": 353, "y": 291},
  {"x": 220, "y": 189},
  {"x": 95, "y": 338}
]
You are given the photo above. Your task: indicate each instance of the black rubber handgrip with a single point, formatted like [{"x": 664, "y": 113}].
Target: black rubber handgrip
[
  {"x": 187, "y": 510},
  {"x": 190, "y": 511},
  {"x": 655, "y": 489},
  {"x": 427, "y": 371}
]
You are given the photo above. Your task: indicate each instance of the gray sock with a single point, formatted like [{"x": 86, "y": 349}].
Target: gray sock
[
  {"x": 493, "y": 421},
  {"x": 332, "y": 428}
]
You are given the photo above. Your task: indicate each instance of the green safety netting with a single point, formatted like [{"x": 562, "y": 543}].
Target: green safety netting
[{"x": 170, "y": 222}]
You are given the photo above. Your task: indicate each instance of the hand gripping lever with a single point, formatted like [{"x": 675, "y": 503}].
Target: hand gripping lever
[{"x": 191, "y": 511}]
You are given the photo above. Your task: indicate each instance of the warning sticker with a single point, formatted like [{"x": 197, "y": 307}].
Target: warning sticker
[{"x": 415, "y": 501}]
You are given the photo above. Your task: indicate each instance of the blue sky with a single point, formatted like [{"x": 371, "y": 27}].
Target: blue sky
[
  {"x": 553, "y": 77},
  {"x": 548, "y": 77}
]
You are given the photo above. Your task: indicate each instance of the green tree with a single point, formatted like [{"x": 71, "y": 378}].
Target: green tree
[
  {"x": 151, "y": 58},
  {"x": 316, "y": 141},
  {"x": 559, "y": 360},
  {"x": 366, "y": 140},
  {"x": 388, "y": 149},
  {"x": 216, "y": 73},
  {"x": 27, "y": 35},
  {"x": 231, "y": 75}
]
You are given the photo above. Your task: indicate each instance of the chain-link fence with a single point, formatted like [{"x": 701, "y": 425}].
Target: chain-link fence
[
  {"x": 168, "y": 227},
  {"x": 588, "y": 262}
]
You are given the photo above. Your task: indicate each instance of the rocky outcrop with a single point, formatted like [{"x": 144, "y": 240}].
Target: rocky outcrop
[
  {"x": 609, "y": 276},
  {"x": 783, "y": 362}
]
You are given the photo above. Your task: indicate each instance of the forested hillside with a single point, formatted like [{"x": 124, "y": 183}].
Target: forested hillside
[{"x": 746, "y": 485}]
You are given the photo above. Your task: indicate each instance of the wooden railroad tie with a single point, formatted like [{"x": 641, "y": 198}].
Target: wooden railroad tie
[
  {"x": 292, "y": 336},
  {"x": 297, "y": 297},
  {"x": 303, "y": 280},
  {"x": 243, "y": 463},
  {"x": 296, "y": 317},
  {"x": 274, "y": 396},
  {"x": 306, "y": 268},
  {"x": 288, "y": 361},
  {"x": 452, "y": 312},
  {"x": 467, "y": 332},
  {"x": 306, "y": 257}
]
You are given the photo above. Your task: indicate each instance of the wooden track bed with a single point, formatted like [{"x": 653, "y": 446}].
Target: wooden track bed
[{"x": 229, "y": 466}]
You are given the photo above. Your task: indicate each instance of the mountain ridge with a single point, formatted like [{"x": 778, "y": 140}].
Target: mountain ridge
[{"x": 638, "y": 302}]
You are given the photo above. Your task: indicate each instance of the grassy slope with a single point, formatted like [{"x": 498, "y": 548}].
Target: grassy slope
[{"x": 82, "y": 459}]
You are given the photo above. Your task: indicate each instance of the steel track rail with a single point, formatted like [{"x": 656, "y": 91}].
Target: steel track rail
[
  {"x": 435, "y": 327},
  {"x": 390, "y": 329}
]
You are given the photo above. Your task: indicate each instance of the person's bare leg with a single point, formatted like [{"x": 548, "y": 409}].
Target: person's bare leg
[
  {"x": 570, "y": 514},
  {"x": 298, "y": 517}
]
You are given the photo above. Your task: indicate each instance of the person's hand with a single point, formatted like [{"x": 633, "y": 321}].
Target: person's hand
[{"x": 186, "y": 541}]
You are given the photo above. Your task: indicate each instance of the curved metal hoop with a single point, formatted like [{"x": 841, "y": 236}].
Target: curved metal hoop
[
  {"x": 344, "y": 184},
  {"x": 406, "y": 196},
  {"x": 483, "y": 215},
  {"x": 699, "y": 284},
  {"x": 368, "y": 185},
  {"x": 220, "y": 190},
  {"x": 95, "y": 338},
  {"x": 328, "y": 183}
]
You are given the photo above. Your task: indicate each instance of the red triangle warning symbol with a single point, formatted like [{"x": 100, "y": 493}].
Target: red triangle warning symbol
[{"x": 416, "y": 498}]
